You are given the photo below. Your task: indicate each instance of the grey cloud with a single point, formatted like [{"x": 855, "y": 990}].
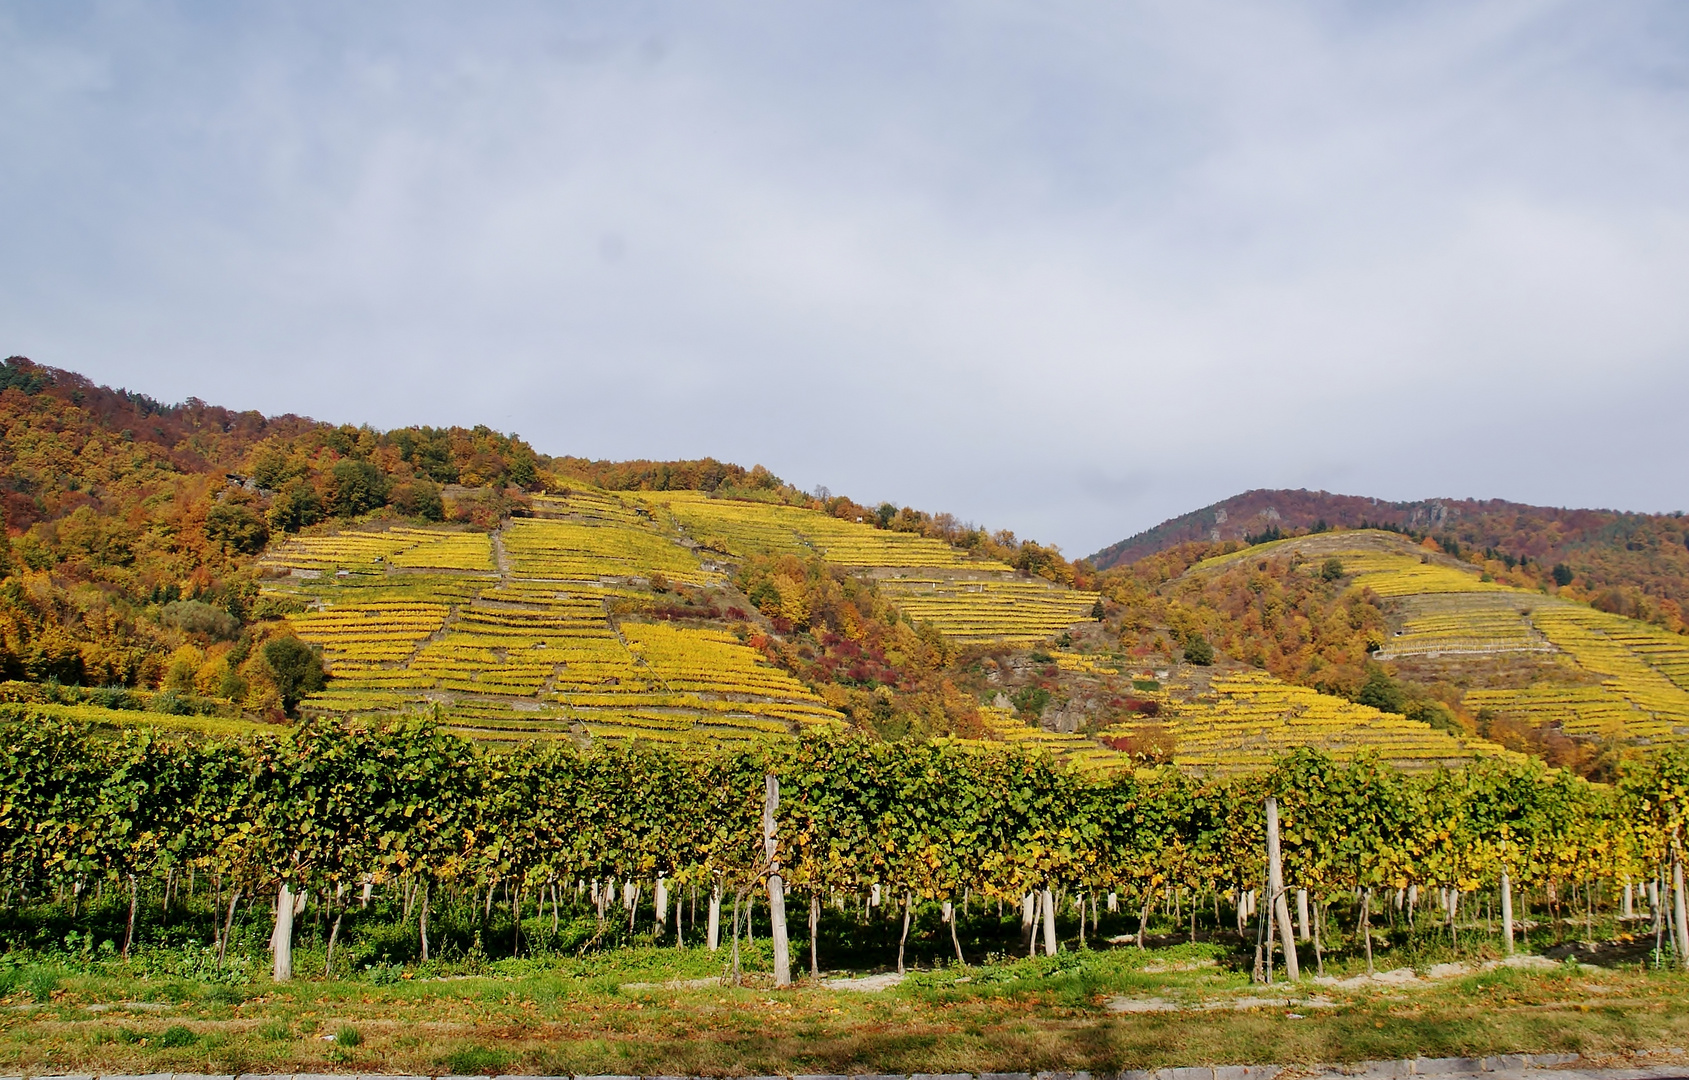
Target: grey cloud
[{"x": 1064, "y": 268}]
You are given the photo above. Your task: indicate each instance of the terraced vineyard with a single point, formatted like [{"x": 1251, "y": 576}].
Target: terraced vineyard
[
  {"x": 1580, "y": 710},
  {"x": 1078, "y": 750},
  {"x": 523, "y": 659},
  {"x": 591, "y": 506},
  {"x": 1382, "y": 562},
  {"x": 364, "y": 636},
  {"x": 736, "y": 528},
  {"x": 1242, "y": 721},
  {"x": 535, "y": 632},
  {"x": 366, "y": 550},
  {"x": 1644, "y": 679},
  {"x": 415, "y": 618},
  {"x": 1440, "y": 624},
  {"x": 1623, "y": 679},
  {"x": 1017, "y": 611},
  {"x": 1393, "y": 575},
  {"x": 970, "y": 600},
  {"x": 571, "y": 551}
]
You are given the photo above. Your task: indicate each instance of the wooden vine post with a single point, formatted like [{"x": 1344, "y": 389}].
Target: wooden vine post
[
  {"x": 1506, "y": 913},
  {"x": 776, "y": 888},
  {"x": 714, "y": 919},
  {"x": 1275, "y": 885},
  {"x": 281, "y": 938},
  {"x": 1681, "y": 930},
  {"x": 1047, "y": 901}
]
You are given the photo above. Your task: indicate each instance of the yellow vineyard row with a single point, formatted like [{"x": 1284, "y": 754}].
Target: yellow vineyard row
[{"x": 1246, "y": 719}]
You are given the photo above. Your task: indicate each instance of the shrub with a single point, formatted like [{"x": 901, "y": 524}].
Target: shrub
[
  {"x": 115, "y": 697},
  {"x": 297, "y": 506},
  {"x": 171, "y": 703},
  {"x": 1199, "y": 651},
  {"x": 1436, "y": 714},
  {"x": 1382, "y": 693},
  {"x": 41, "y": 985},
  {"x": 296, "y": 669},
  {"x": 385, "y": 974},
  {"x": 357, "y": 488},
  {"x": 196, "y": 617},
  {"x": 237, "y": 528},
  {"x": 1151, "y": 744},
  {"x": 1031, "y": 700},
  {"x": 418, "y": 498}
]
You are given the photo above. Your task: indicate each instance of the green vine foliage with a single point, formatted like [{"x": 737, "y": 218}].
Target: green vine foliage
[{"x": 327, "y": 807}]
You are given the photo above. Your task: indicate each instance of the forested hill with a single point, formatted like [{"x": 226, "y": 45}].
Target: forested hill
[
  {"x": 120, "y": 513},
  {"x": 1623, "y": 557},
  {"x": 68, "y": 442},
  {"x": 133, "y": 528}
]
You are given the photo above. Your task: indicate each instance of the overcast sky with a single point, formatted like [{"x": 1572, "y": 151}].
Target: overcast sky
[{"x": 1064, "y": 268}]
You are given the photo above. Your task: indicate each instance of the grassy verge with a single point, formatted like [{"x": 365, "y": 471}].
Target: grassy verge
[{"x": 581, "y": 1016}]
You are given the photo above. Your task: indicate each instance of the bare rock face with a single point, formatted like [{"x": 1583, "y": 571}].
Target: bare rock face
[{"x": 1069, "y": 718}]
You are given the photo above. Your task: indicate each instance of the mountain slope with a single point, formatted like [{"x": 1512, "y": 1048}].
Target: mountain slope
[
  {"x": 142, "y": 542},
  {"x": 1631, "y": 564},
  {"x": 1379, "y": 619},
  {"x": 190, "y": 559}
]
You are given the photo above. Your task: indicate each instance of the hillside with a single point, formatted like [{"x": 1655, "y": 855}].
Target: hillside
[
  {"x": 1372, "y": 616},
  {"x": 684, "y": 618},
  {"x": 195, "y": 567},
  {"x": 141, "y": 542},
  {"x": 619, "y": 615},
  {"x": 126, "y": 519},
  {"x": 1629, "y": 564}
]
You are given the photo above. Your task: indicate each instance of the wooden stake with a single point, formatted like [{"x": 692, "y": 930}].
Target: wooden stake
[
  {"x": 1275, "y": 885},
  {"x": 776, "y": 887},
  {"x": 814, "y": 930},
  {"x": 1506, "y": 913}
]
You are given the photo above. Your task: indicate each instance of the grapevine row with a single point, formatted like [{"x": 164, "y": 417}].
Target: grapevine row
[{"x": 331, "y": 809}]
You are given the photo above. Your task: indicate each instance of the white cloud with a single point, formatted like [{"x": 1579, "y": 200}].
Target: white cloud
[{"x": 1063, "y": 268}]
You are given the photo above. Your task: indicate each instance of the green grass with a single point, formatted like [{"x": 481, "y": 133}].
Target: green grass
[
  {"x": 177, "y": 1035},
  {"x": 579, "y": 1015},
  {"x": 596, "y": 1000}
]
